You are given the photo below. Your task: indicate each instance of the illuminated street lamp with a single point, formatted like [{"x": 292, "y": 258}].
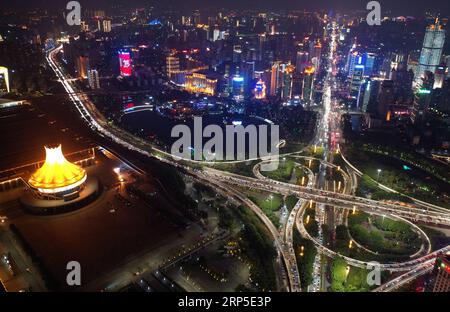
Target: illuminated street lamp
[{"x": 378, "y": 174}]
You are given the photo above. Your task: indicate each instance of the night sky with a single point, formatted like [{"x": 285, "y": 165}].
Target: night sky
[{"x": 400, "y": 7}]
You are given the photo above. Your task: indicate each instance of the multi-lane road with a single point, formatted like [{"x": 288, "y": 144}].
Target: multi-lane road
[{"x": 223, "y": 180}]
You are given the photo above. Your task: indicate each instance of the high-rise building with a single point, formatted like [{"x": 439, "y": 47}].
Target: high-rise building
[
  {"x": 93, "y": 79},
  {"x": 441, "y": 274},
  {"x": 368, "y": 61},
  {"x": 356, "y": 81},
  {"x": 287, "y": 72},
  {"x": 439, "y": 76},
  {"x": 447, "y": 62},
  {"x": 430, "y": 56},
  {"x": 106, "y": 25},
  {"x": 260, "y": 90},
  {"x": 172, "y": 65},
  {"x": 301, "y": 61},
  {"x": 275, "y": 79},
  {"x": 386, "y": 98},
  {"x": 422, "y": 97},
  {"x": 4, "y": 80},
  {"x": 403, "y": 80},
  {"x": 125, "y": 63},
  {"x": 308, "y": 78},
  {"x": 82, "y": 66},
  {"x": 84, "y": 26}
]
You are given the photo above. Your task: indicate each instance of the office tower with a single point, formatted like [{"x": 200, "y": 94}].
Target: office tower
[
  {"x": 356, "y": 81},
  {"x": 444, "y": 101},
  {"x": 260, "y": 90},
  {"x": 106, "y": 25},
  {"x": 439, "y": 76},
  {"x": 172, "y": 65},
  {"x": 286, "y": 90},
  {"x": 84, "y": 26},
  {"x": 386, "y": 98},
  {"x": 125, "y": 63},
  {"x": 447, "y": 62},
  {"x": 397, "y": 60},
  {"x": 238, "y": 85},
  {"x": 422, "y": 97},
  {"x": 82, "y": 66},
  {"x": 364, "y": 97},
  {"x": 316, "y": 53},
  {"x": 274, "y": 79},
  {"x": 430, "y": 56},
  {"x": 403, "y": 80},
  {"x": 368, "y": 60},
  {"x": 355, "y": 58},
  {"x": 441, "y": 274},
  {"x": 4, "y": 80},
  {"x": 308, "y": 78},
  {"x": 237, "y": 53},
  {"x": 301, "y": 61},
  {"x": 93, "y": 79}
]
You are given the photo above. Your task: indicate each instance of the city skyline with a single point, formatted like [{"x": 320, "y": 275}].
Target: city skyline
[{"x": 187, "y": 148}]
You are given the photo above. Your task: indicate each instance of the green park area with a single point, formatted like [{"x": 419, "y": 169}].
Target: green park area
[
  {"x": 383, "y": 235},
  {"x": 398, "y": 175},
  {"x": 270, "y": 204},
  {"x": 305, "y": 253},
  {"x": 288, "y": 171},
  {"x": 346, "y": 278},
  {"x": 283, "y": 173}
]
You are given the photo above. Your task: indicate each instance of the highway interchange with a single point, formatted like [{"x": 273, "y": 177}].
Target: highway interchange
[{"x": 230, "y": 184}]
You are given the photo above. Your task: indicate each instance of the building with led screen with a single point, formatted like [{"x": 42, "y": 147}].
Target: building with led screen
[{"x": 125, "y": 63}]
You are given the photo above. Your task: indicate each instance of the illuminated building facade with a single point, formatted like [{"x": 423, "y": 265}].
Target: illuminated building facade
[
  {"x": 260, "y": 90},
  {"x": 356, "y": 81},
  {"x": 274, "y": 79},
  {"x": 4, "y": 80},
  {"x": 200, "y": 83},
  {"x": 106, "y": 25},
  {"x": 238, "y": 83},
  {"x": 308, "y": 78},
  {"x": 125, "y": 63},
  {"x": 422, "y": 97},
  {"x": 57, "y": 176},
  {"x": 93, "y": 79},
  {"x": 441, "y": 274},
  {"x": 172, "y": 65},
  {"x": 287, "y": 79},
  {"x": 82, "y": 66},
  {"x": 430, "y": 56}
]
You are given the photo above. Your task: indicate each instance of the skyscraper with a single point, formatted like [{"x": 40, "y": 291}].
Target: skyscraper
[
  {"x": 430, "y": 57},
  {"x": 308, "y": 79},
  {"x": 93, "y": 79}
]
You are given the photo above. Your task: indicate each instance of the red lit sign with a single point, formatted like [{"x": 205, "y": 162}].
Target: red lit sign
[{"x": 125, "y": 64}]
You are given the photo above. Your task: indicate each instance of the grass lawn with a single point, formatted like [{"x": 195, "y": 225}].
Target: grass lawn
[{"x": 383, "y": 235}]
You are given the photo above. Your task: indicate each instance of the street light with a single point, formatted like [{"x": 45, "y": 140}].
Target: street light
[{"x": 378, "y": 175}]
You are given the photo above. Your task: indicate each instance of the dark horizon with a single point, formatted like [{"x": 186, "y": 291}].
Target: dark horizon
[{"x": 397, "y": 7}]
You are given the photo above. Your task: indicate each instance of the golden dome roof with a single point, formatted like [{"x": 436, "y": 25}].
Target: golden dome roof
[{"x": 57, "y": 174}]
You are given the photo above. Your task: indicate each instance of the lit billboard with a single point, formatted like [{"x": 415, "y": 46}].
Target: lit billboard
[{"x": 125, "y": 63}]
